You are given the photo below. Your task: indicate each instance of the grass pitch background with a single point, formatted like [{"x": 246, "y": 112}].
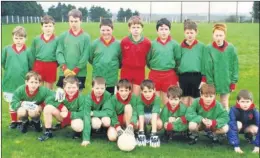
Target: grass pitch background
[{"x": 245, "y": 37}]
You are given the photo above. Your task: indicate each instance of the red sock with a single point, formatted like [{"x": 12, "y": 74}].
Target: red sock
[{"x": 13, "y": 116}]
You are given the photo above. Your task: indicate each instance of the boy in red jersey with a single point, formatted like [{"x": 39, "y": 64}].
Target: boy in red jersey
[{"x": 134, "y": 49}]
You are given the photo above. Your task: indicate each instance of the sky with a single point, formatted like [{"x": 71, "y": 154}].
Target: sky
[{"x": 165, "y": 7}]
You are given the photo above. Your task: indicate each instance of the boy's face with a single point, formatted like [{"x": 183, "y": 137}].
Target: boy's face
[
  {"x": 32, "y": 84},
  {"x": 190, "y": 35},
  {"x": 219, "y": 36},
  {"x": 208, "y": 99},
  {"x": 136, "y": 29},
  {"x": 48, "y": 29},
  {"x": 99, "y": 89},
  {"x": 148, "y": 93},
  {"x": 106, "y": 32},
  {"x": 124, "y": 92},
  {"x": 18, "y": 40},
  {"x": 71, "y": 89},
  {"x": 163, "y": 32},
  {"x": 74, "y": 23},
  {"x": 245, "y": 103},
  {"x": 174, "y": 101}
]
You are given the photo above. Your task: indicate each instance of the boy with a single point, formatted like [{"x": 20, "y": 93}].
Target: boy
[
  {"x": 106, "y": 51},
  {"x": 162, "y": 59},
  {"x": 44, "y": 52},
  {"x": 148, "y": 110},
  {"x": 120, "y": 111},
  {"x": 28, "y": 100},
  {"x": 173, "y": 113},
  {"x": 207, "y": 114},
  {"x": 71, "y": 111},
  {"x": 191, "y": 75},
  {"x": 244, "y": 118},
  {"x": 134, "y": 49},
  {"x": 73, "y": 50},
  {"x": 221, "y": 64},
  {"x": 16, "y": 62},
  {"x": 96, "y": 100}
]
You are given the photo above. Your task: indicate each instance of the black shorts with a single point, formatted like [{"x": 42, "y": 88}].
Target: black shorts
[
  {"x": 189, "y": 83},
  {"x": 81, "y": 82},
  {"x": 111, "y": 90}
]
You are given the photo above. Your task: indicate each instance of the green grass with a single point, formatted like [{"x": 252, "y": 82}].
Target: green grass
[{"x": 244, "y": 36}]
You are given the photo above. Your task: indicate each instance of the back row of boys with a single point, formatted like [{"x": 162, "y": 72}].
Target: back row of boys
[{"x": 194, "y": 63}]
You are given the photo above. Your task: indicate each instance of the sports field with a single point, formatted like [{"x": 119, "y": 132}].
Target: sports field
[{"x": 245, "y": 37}]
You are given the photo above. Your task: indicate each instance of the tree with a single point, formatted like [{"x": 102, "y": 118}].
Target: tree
[
  {"x": 255, "y": 13},
  {"x": 95, "y": 12},
  {"x": 84, "y": 12},
  {"x": 231, "y": 18},
  {"x": 136, "y": 13},
  {"x": 121, "y": 15}
]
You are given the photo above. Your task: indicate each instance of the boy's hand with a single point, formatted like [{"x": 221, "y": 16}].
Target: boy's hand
[
  {"x": 85, "y": 143},
  {"x": 120, "y": 131},
  {"x": 63, "y": 114},
  {"x": 68, "y": 72},
  {"x": 238, "y": 150},
  {"x": 154, "y": 140},
  {"x": 172, "y": 119},
  {"x": 60, "y": 95},
  {"x": 201, "y": 84},
  {"x": 141, "y": 139},
  {"x": 256, "y": 150},
  {"x": 129, "y": 130},
  {"x": 64, "y": 109},
  {"x": 29, "y": 105}
]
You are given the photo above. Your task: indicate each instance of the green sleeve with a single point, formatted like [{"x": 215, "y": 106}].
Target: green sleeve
[
  {"x": 164, "y": 115},
  {"x": 91, "y": 52},
  {"x": 51, "y": 101},
  {"x": 30, "y": 58},
  {"x": 203, "y": 62},
  {"x": 33, "y": 50},
  {"x": 87, "y": 123},
  {"x": 177, "y": 55},
  {"x": 60, "y": 50},
  {"x": 222, "y": 118},
  {"x": 140, "y": 107},
  {"x": 85, "y": 54},
  {"x": 208, "y": 66},
  {"x": 120, "y": 56},
  {"x": 191, "y": 114},
  {"x": 234, "y": 74},
  {"x": 156, "y": 107},
  {"x": 16, "y": 100},
  {"x": 149, "y": 57},
  {"x": 80, "y": 112},
  {"x": 179, "y": 126},
  {"x": 3, "y": 60},
  {"x": 134, "y": 114}
]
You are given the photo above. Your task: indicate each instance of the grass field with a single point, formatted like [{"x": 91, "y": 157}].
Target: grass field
[{"x": 244, "y": 36}]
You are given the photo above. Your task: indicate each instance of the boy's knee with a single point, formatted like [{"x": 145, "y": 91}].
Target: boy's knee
[
  {"x": 77, "y": 125},
  {"x": 159, "y": 124},
  {"x": 112, "y": 134},
  {"x": 224, "y": 129},
  {"x": 106, "y": 121},
  {"x": 95, "y": 123},
  {"x": 239, "y": 125},
  {"x": 21, "y": 111},
  {"x": 34, "y": 113},
  {"x": 193, "y": 126},
  {"x": 48, "y": 109}
]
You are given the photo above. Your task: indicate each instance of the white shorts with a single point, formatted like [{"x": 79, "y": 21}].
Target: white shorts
[
  {"x": 147, "y": 118},
  {"x": 8, "y": 96}
]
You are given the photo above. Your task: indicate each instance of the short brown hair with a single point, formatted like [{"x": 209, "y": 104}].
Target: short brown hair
[
  {"x": 208, "y": 89},
  {"x": 124, "y": 83},
  {"x": 147, "y": 83},
  {"x": 190, "y": 25},
  {"x": 220, "y": 26},
  {"x": 19, "y": 31},
  {"x": 135, "y": 20},
  {"x": 71, "y": 80},
  {"x": 174, "y": 92},
  {"x": 106, "y": 22},
  {"x": 34, "y": 74},
  {"x": 245, "y": 94},
  {"x": 75, "y": 13},
  {"x": 47, "y": 19},
  {"x": 98, "y": 80}
]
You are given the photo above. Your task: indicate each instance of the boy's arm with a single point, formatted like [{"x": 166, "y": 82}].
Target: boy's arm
[
  {"x": 149, "y": 57},
  {"x": 156, "y": 107},
  {"x": 134, "y": 114},
  {"x": 177, "y": 55},
  {"x": 16, "y": 100},
  {"x": 256, "y": 141},
  {"x": 33, "y": 50},
  {"x": 191, "y": 114},
  {"x": 84, "y": 55},
  {"x": 208, "y": 66},
  {"x": 234, "y": 74},
  {"x": 3, "y": 60},
  {"x": 30, "y": 58},
  {"x": 86, "y": 121},
  {"x": 91, "y": 52},
  {"x": 164, "y": 115},
  {"x": 120, "y": 56},
  {"x": 60, "y": 51},
  {"x": 232, "y": 133},
  {"x": 203, "y": 62},
  {"x": 222, "y": 118},
  {"x": 80, "y": 113}
]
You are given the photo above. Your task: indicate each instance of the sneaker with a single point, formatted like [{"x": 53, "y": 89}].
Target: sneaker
[
  {"x": 24, "y": 127},
  {"x": 37, "y": 126},
  {"x": 13, "y": 125},
  {"x": 45, "y": 136},
  {"x": 194, "y": 138}
]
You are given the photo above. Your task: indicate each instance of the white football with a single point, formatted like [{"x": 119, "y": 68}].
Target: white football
[{"x": 126, "y": 142}]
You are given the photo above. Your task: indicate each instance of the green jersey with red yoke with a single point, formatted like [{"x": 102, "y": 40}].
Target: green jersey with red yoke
[{"x": 148, "y": 106}]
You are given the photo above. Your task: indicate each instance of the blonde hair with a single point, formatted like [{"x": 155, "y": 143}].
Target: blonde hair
[{"x": 19, "y": 31}]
